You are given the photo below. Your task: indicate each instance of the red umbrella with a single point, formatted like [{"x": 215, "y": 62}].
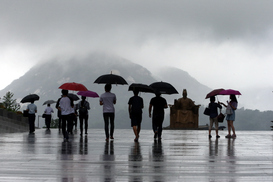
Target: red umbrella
[
  {"x": 230, "y": 92},
  {"x": 214, "y": 93},
  {"x": 88, "y": 93},
  {"x": 73, "y": 86}
]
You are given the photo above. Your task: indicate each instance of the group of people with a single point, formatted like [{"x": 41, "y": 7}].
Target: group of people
[
  {"x": 231, "y": 106},
  {"x": 67, "y": 113}
]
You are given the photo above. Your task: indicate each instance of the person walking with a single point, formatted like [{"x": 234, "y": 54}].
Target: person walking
[
  {"x": 213, "y": 115},
  {"x": 107, "y": 100},
  {"x": 135, "y": 113},
  {"x": 66, "y": 107},
  {"x": 157, "y": 105},
  {"x": 48, "y": 111},
  {"x": 31, "y": 109},
  {"x": 231, "y": 107},
  {"x": 59, "y": 114},
  {"x": 83, "y": 107}
]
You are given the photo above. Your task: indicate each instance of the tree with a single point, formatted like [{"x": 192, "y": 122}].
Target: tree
[{"x": 10, "y": 103}]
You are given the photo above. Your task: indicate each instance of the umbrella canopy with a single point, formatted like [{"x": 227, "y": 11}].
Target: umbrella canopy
[
  {"x": 214, "y": 92},
  {"x": 163, "y": 88},
  {"x": 230, "y": 92},
  {"x": 88, "y": 93},
  {"x": 74, "y": 97},
  {"x": 30, "y": 98},
  {"x": 111, "y": 79},
  {"x": 73, "y": 86},
  {"x": 141, "y": 88},
  {"x": 49, "y": 102}
]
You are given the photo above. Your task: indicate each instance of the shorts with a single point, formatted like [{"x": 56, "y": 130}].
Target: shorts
[{"x": 136, "y": 119}]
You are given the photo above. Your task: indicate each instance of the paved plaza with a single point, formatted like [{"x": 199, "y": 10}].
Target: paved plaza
[{"x": 182, "y": 155}]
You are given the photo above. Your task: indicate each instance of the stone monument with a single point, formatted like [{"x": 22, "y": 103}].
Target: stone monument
[{"x": 184, "y": 113}]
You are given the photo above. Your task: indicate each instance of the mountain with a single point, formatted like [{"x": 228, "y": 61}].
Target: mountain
[{"x": 45, "y": 78}]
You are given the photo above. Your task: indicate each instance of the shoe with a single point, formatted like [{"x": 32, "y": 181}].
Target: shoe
[
  {"x": 112, "y": 138},
  {"x": 228, "y": 136},
  {"x": 107, "y": 139},
  {"x": 217, "y": 136},
  {"x": 86, "y": 133},
  {"x": 210, "y": 136},
  {"x": 233, "y": 136},
  {"x": 155, "y": 135},
  {"x": 136, "y": 140}
]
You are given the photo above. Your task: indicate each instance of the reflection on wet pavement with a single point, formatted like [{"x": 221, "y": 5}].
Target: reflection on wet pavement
[{"x": 180, "y": 156}]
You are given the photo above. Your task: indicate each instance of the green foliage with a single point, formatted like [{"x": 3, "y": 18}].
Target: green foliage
[
  {"x": 9, "y": 103},
  {"x": 54, "y": 123}
]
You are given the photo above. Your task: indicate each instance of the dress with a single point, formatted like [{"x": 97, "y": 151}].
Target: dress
[
  {"x": 231, "y": 117},
  {"x": 213, "y": 114},
  {"x": 136, "y": 104}
]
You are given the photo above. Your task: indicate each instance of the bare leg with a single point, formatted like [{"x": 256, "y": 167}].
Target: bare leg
[
  {"x": 232, "y": 127},
  {"x": 229, "y": 126},
  {"x": 135, "y": 129}
]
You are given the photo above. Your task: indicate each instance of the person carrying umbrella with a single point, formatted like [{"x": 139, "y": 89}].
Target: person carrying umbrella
[
  {"x": 135, "y": 113},
  {"x": 157, "y": 104},
  {"x": 66, "y": 107},
  {"x": 31, "y": 109},
  {"x": 83, "y": 107},
  {"x": 107, "y": 100},
  {"x": 231, "y": 107},
  {"x": 48, "y": 111},
  {"x": 213, "y": 115}
]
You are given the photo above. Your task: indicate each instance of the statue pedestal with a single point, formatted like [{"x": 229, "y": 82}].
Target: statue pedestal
[{"x": 184, "y": 119}]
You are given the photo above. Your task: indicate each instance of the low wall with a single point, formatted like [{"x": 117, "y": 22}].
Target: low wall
[{"x": 11, "y": 122}]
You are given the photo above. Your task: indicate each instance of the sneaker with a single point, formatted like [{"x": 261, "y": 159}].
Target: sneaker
[
  {"x": 228, "y": 136},
  {"x": 217, "y": 136}
]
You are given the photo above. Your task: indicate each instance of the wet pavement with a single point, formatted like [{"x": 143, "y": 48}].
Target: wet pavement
[{"x": 181, "y": 156}]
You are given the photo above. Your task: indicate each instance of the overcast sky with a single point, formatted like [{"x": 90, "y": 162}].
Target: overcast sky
[{"x": 220, "y": 43}]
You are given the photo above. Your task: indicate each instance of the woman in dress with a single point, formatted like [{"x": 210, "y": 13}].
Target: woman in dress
[{"x": 231, "y": 107}]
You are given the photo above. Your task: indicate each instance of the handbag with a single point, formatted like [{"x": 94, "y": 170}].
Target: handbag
[
  {"x": 25, "y": 113},
  {"x": 44, "y": 116},
  {"x": 229, "y": 111},
  {"x": 207, "y": 111},
  {"x": 221, "y": 117}
]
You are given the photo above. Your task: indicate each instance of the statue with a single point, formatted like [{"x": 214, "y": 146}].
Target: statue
[{"x": 184, "y": 113}]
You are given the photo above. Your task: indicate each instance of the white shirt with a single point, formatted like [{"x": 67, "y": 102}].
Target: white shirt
[
  {"x": 32, "y": 108},
  {"x": 65, "y": 105},
  {"x": 48, "y": 110},
  {"x": 108, "y": 100}
]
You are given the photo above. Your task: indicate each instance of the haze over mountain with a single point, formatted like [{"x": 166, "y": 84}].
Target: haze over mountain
[{"x": 45, "y": 78}]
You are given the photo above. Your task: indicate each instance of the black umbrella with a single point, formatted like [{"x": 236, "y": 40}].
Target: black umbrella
[
  {"x": 141, "y": 88},
  {"x": 163, "y": 88},
  {"x": 74, "y": 97},
  {"x": 30, "y": 98},
  {"x": 49, "y": 102},
  {"x": 111, "y": 79}
]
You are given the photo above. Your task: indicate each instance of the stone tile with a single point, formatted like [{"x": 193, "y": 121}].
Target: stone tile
[{"x": 181, "y": 156}]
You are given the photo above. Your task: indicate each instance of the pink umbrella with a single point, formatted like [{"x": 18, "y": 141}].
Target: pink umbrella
[
  {"x": 229, "y": 92},
  {"x": 88, "y": 93}
]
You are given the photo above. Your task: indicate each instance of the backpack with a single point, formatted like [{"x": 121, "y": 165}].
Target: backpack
[{"x": 82, "y": 109}]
